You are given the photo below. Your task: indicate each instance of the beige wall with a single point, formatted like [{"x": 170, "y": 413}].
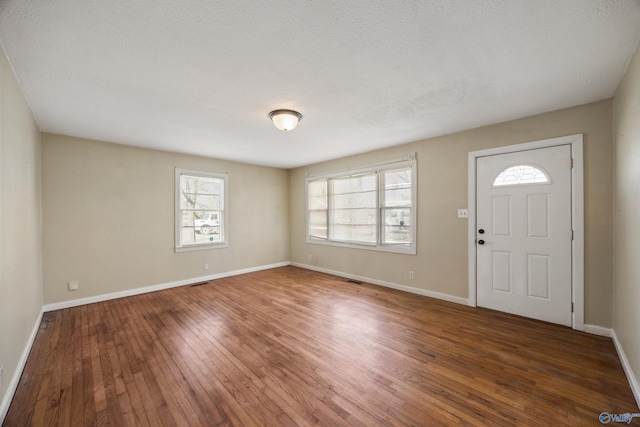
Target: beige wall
[
  {"x": 20, "y": 230},
  {"x": 108, "y": 214},
  {"x": 441, "y": 262},
  {"x": 626, "y": 302}
]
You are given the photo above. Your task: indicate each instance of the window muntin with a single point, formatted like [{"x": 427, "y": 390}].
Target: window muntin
[
  {"x": 372, "y": 208},
  {"x": 521, "y": 175},
  {"x": 200, "y": 210}
]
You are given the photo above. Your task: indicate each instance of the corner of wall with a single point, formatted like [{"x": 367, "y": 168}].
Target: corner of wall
[{"x": 20, "y": 203}]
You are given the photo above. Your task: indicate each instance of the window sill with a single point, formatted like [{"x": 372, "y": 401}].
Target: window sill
[
  {"x": 201, "y": 247},
  {"x": 407, "y": 250}
]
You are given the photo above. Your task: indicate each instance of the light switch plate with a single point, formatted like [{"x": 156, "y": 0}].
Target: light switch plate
[{"x": 463, "y": 213}]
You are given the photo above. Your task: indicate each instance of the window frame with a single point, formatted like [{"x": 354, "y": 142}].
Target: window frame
[
  {"x": 224, "y": 177},
  {"x": 379, "y": 170}
]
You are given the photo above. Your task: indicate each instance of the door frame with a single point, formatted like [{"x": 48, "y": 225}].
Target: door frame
[{"x": 577, "y": 216}]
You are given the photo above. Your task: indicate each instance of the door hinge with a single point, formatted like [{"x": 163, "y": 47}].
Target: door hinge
[
  {"x": 571, "y": 234},
  {"x": 572, "y": 307},
  {"x": 570, "y": 163}
]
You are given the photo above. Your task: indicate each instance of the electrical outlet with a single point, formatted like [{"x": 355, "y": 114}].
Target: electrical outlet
[
  {"x": 206, "y": 265},
  {"x": 73, "y": 285},
  {"x": 463, "y": 213},
  {"x": 411, "y": 275}
]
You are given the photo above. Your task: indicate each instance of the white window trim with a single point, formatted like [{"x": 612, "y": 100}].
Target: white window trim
[
  {"x": 410, "y": 249},
  {"x": 178, "y": 217}
]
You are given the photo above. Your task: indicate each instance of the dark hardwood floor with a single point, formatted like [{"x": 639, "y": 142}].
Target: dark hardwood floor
[{"x": 287, "y": 347}]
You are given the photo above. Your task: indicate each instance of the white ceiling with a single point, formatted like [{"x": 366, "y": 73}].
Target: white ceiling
[{"x": 200, "y": 76}]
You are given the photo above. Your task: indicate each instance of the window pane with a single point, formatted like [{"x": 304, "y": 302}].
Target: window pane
[
  {"x": 318, "y": 224},
  {"x": 397, "y": 201},
  {"x": 397, "y": 226},
  {"x": 207, "y": 201},
  {"x": 200, "y": 227},
  {"x": 317, "y": 202},
  {"x": 354, "y": 233},
  {"x": 397, "y": 235},
  {"x": 397, "y": 179},
  {"x": 521, "y": 174},
  {"x": 317, "y": 206},
  {"x": 397, "y": 187},
  {"x": 198, "y": 192},
  {"x": 353, "y": 216},
  {"x": 354, "y": 184},
  {"x": 398, "y": 197},
  {"x": 318, "y": 188},
  {"x": 354, "y": 200},
  {"x": 317, "y": 192},
  {"x": 355, "y": 225},
  {"x": 319, "y": 232},
  {"x": 318, "y": 217}
]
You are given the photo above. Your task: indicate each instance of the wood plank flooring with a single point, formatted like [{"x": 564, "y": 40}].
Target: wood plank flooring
[{"x": 292, "y": 347}]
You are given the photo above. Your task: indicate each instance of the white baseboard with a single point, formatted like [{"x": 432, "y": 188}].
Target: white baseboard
[
  {"x": 418, "y": 291},
  {"x": 15, "y": 379},
  {"x": 153, "y": 288},
  {"x": 598, "y": 330},
  {"x": 631, "y": 377},
  {"x": 611, "y": 333}
]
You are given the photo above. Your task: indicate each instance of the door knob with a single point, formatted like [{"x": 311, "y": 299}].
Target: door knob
[
  {"x": 481, "y": 242},
  {"x": 481, "y": 231}
]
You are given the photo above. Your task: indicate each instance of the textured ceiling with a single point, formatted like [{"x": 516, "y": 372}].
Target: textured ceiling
[{"x": 200, "y": 76}]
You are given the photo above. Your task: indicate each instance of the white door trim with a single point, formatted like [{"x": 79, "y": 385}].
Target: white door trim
[{"x": 577, "y": 216}]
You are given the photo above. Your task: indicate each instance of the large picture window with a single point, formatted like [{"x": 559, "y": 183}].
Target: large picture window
[
  {"x": 200, "y": 210},
  {"x": 372, "y": 207}
]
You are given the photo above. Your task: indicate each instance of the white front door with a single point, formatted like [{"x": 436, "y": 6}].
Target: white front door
[{"x": 523, "y": 234}]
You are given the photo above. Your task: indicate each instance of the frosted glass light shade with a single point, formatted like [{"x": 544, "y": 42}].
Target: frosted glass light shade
[{"x": 285, "y": 120}]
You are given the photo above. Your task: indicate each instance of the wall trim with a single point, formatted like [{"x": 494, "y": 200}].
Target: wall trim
[
  {"x": 598, "y": 330},
  {"x": 159, "y": 287},
  {"x": 22, "y": 362},
  {"x": 611, "y": 333},
  {"x": 631, "y": 377},
  {"x": 418, "y": 291}
]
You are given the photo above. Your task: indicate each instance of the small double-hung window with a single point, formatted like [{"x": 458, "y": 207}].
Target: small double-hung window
[
  {"x": 201, "y": 200},
  {"x": 372, "y": 208}
]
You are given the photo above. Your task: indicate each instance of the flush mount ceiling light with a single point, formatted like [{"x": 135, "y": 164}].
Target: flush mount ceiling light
[{"x": 285, "y": 120}]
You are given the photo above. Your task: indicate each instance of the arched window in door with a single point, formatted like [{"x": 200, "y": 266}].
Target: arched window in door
[{"x": 521, "y": 175}]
